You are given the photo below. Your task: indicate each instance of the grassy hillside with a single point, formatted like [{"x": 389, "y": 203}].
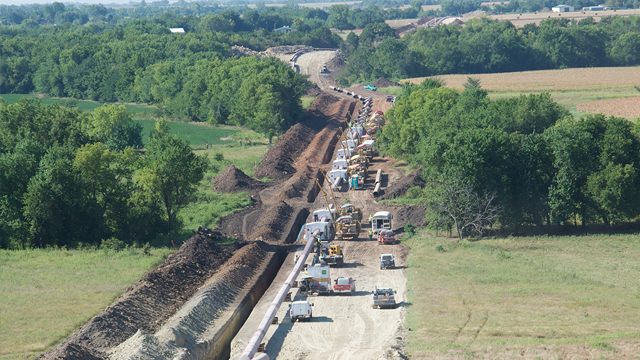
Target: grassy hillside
[
  {"x": 47, "y": 294},
  {"x": 525, "y": 297}
]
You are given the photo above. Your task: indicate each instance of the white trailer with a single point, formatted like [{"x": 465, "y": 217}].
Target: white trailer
[{"x": 381, "y": 220}]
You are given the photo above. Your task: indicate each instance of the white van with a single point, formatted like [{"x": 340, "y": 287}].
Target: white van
[{"x": 301, "y": 310}]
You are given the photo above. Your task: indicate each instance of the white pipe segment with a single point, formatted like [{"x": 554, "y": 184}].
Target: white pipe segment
[
  {"x": 379, "y": 176},
  {"x": 252, "y": 347}
]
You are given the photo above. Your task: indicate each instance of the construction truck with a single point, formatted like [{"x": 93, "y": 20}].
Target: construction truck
[
  {"x": 384, "y": 297},
  {"x": 345, "y": 284},
  {"x": 320, "y": 229},
  {"x": 387, "y": 236},
  {"x": 347, "y": 228},
  {"x": 351, "y": 210},
  {"x": 300, "y": 310},
  {"x": 332, "y": 255},
  {"x": 381, "y": 220},
  {"x": 324, "y": 70},
  {"x": 317, "y": 279}
]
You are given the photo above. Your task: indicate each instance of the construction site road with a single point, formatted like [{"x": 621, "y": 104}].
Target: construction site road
[{"x": 343, "y": 326}]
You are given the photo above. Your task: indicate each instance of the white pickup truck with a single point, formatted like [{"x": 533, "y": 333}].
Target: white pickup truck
[{"x": 301, "y": 310}]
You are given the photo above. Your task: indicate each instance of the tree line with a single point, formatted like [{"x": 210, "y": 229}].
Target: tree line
[
  {"x": 539, "y": 164},
  {"x": 491, "y": 46},
  {"x": 68, "y": 177}
]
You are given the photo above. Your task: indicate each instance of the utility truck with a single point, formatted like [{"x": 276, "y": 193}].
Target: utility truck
[
  {"x": 317, "y": 279},
  {"x": 383, "y": 297},
  {"x": 300, "y": 310},
  {"x": 380, "y": 221}
]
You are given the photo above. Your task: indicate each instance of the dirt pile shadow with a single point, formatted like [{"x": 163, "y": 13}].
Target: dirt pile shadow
[
  {"x": 401, "y": 186},
  {"x": 154, "y": 298}
]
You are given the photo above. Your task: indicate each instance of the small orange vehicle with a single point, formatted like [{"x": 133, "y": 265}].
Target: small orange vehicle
[{"x": 386, "y": 236}]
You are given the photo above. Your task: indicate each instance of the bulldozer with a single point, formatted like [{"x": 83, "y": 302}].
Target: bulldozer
[
  {"x": 347, "y": 228},
  {"x": 332, "y": 255}
]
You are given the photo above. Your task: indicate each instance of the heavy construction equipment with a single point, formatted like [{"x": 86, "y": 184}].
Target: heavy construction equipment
[
  {"x": 332, "y": 255},
  {"x": 350, "y": 209},
  {"x": 317, "y": 279},
  {"x": 347, "y": 228}
]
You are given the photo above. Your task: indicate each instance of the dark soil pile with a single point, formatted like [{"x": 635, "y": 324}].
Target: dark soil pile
[
  {"x": 233, "y": 224},
  {"x": 324, "y": 109},
  {"x": 153, "y": 299},
  {"x": 270, "y": 226},
  {"x": 313, "y": 90},
  {"x": 410, "y": 213},
  {"x": 74, "y": 351},
  {"x": 382, "y": 82},
  {"x": 298, "y": 187},
  {"x": 277, "y": 163},
  {"x": 400, "y": 187},
  {"x": 232, "y": 179}
]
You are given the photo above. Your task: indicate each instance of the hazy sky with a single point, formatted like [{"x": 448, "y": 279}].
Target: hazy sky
[{"x": 24, "y": 2}]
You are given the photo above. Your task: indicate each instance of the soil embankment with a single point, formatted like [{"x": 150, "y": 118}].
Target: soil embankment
[{"x": 193, "y": 304}]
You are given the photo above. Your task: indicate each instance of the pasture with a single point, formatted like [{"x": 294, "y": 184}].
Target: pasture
[
  {"x": 548, "y": 297},
  {"x": 47, "y": 294},
  {"x": 138, "y": 111},
  {"x": 568, "y": 87}
]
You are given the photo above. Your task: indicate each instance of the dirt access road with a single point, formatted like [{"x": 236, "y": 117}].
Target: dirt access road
[{"x": 343, "y": 326}]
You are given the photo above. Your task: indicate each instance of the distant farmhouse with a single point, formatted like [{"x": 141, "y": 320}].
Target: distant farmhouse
[
  {"x": 284, "y": 29},
  {"x": 176, "y": 30},
  {"x": 563, "y": 8}
]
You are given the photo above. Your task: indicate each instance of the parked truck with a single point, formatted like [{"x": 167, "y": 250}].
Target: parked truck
[
  {"x": 300, "y": 310},
  {"x": 386, "y": 236},
  {"x": 380, "y": 221},
  {"x": 383, "y": 297},
  {"x": 317, "y": 279},
  {"x": 387, "y": 261},
  {"x": 345, "y": 284}
]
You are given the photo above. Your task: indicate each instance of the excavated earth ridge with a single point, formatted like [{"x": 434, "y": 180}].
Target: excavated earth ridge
[{"x": 192, "y": 305}]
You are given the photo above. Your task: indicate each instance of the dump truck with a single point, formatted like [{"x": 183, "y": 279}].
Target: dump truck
[
  {"x": 300, "y": 310},
  {"x": 345, "y": 284},
  {"x": 383, "y": 297},
  {"x": 381, "y": 220},
  {"x": 347, "y": 227},
  {"x": 317, "y": 279}
]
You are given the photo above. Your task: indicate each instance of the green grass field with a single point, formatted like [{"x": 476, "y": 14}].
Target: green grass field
[
  {"x": 138, "y": 111},
  {"x": 47, "y": 294},
  {"x": 544, "y": 296},
  {"x": 196, "y": 133}
]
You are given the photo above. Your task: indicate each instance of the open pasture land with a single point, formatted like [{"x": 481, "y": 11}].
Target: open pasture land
[
  {"x": 524, "y": 297},
  {"x": 520, "y": 20},
  {"x": 196, "y": 133},
  {"x": 568, "y": 87},
  {"x": 47, "y": 294}
]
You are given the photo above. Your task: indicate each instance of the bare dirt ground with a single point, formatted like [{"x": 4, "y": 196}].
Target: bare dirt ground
[
  {"x": 343, "y": 326},
  {"x": 624, "y": 107}
]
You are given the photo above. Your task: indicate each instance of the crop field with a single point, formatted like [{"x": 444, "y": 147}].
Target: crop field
[
  {"x": 48, "y": 294},
  {"x": 524, "y": 297},
  {"x": 138, "y": 111},
  {"x": 568, "y": 87}
]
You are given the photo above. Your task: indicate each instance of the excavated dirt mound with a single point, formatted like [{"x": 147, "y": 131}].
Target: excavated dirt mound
[
  {"x": 401, "y": 186},
  {"x": 153, "y": 299},
  {"x": 271, "y": 223},
  {"x": 74, "y": 351},
  {"x": 313, "y": 90},
  {"x": 277, "y": 163},
  {"x": 410, "y": 213},
  {"x": 382, "y": 82},
  {"x": 233, "y": 224},
  {"x": 298, "y": 187},
  {"x": 232, "y": 179}
]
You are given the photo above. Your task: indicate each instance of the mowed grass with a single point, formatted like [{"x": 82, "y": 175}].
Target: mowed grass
[
  {"x": 568, "y": 87},
  {"x": 196, "y": 133},
  {"x": 47, "y": 294},
  {"x": 498, "y": 297},
  {"x": 138, "y": 111}
]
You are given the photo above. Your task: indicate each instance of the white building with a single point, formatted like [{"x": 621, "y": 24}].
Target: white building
[
  {"x": 176, "y": 30},
  {"x": 563, "y": 8}
]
